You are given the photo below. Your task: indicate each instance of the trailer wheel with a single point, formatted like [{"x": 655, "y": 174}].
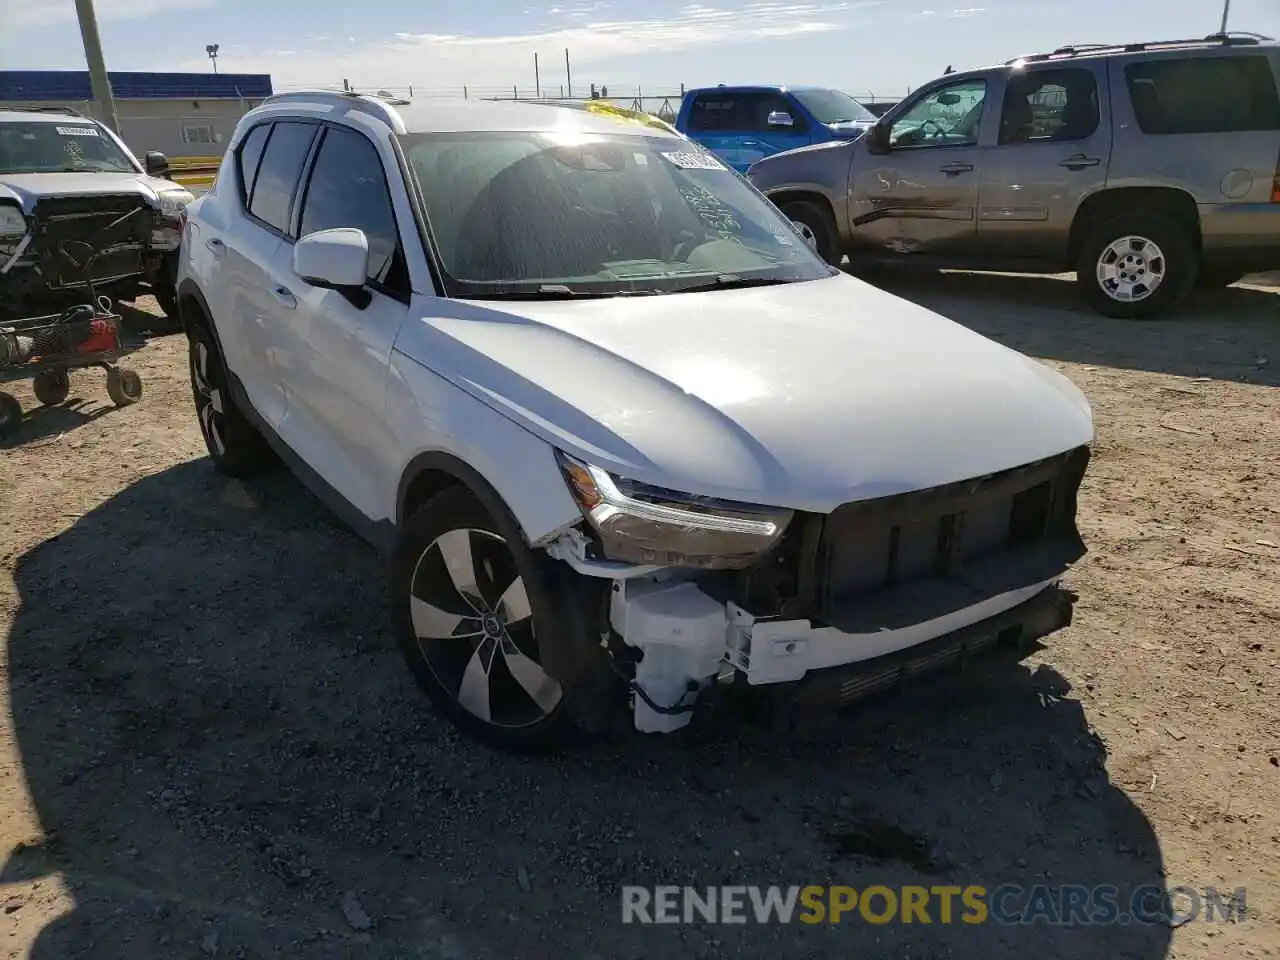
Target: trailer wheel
[
  {"x": 10, "y": 414},
  {"x": 124, "y": 386},
  {"x": 51, "y": 387}
]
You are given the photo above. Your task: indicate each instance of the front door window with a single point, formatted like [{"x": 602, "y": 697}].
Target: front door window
[{"x": 949, "y": 116}]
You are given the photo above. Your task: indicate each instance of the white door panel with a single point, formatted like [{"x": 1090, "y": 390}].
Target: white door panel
[{"x": 333, "y": 362}]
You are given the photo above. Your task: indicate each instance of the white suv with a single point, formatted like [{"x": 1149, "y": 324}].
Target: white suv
[{"x": 623, "y": 436}]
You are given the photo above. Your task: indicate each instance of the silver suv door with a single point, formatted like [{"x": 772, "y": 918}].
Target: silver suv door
[
  {"x": 920, "y": 194},
  {"x": 1053, "y": 147}
]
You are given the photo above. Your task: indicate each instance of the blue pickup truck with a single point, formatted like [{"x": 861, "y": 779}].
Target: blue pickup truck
[{"x": 743, "y": 124}]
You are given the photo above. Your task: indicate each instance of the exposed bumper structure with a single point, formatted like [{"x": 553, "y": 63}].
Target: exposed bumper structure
[{"x": 871, "y": 593}]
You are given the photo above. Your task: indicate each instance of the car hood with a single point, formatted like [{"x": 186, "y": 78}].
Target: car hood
[
  {"x": 804, "y": 395},
  {"x": 28, "y": 188},
  {"x": 850, "y": 129}
]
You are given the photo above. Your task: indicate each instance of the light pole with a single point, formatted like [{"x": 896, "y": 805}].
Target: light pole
[
  {"x": 1226, "y": 9},
  {"x": 98, "y": 80},
  {"x": 212, "y": 50}
]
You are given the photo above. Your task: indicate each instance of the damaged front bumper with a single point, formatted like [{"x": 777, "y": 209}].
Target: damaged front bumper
[{"x": 854, "y": 601}]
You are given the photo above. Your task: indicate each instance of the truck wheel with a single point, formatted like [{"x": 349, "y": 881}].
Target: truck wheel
[
  {"x": 51, "y": 387},
  {"x": 1137, "y": 265},
  {"x": 235, "y": 446},
  {"x": 167, "y": 298},
  {"x": 470, "y": 606},
  {"x": 817, "y": 227}
]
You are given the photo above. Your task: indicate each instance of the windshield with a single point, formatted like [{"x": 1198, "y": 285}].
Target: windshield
[
  {"x": 70, "y": 145},
  {"x": 832, "y": 106},
  {"x": 548, "y": 214}
]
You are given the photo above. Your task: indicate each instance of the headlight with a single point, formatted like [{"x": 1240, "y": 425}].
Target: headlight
[
  {"x": 12, "y": 222},
  {"x": 174, "y": 202},
  {"x": 639, "y": 523}
]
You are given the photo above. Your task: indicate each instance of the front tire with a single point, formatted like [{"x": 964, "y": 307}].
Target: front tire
[
  {"x": 1137, "y": 265},
  {"x": 818, "y": 228},
  {"x": 235, "y": 446},
  {"x": 471, "y": 606}
]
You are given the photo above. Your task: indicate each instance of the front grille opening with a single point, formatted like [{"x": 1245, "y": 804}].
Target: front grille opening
[
  {"x": 1030, "y": 514},
  {"x": 868, "y": 546}
]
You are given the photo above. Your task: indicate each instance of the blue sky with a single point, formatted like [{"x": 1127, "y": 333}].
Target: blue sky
[{"x": 880, "y": 46}]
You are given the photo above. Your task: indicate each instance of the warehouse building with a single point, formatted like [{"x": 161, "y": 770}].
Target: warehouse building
[{"x": 179, "y": 114}]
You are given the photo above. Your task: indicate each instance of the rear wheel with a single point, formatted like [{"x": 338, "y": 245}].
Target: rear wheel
[
  {"x": 471, "y": 608},
  {"x": 1137, "y": 265},
  {"x": 124, "y": 386},
  {"x": 236, "y": 448},
  {"x": 818, "y": 228}
]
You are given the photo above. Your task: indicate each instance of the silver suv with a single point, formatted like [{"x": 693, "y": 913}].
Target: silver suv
[{"x": 1147, "y": 168}]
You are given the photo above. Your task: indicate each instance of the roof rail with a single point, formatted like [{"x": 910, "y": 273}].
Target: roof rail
[
  {"x": 380, "y": 107},
  {"x": 65, "y": 111},
  {"x": 1233, "y": 38}
]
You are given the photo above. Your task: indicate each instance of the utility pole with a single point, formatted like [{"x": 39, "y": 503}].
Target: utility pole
[
  {"x": 568, "y": 77},
  {"x": 98, "y": 80},
  {"x": 1226, "y": 9},
  {"x": 537, "y": 81}
]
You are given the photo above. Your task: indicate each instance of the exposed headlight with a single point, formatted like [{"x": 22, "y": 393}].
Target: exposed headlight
[
  {"x": 12, "y": 222},
  {"x": 173, "y": 202},
  {"x": 639, "y": 523}
]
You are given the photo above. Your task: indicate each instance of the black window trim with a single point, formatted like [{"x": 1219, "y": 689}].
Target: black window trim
[
  {"x": 246, "y": 192},
  {"x": 286, "y": 234},
  {"x": 304, "y": 187}
]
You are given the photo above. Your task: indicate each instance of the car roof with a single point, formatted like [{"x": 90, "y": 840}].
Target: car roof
[
  {"x": 466, "y": 116},
  {"x": 756, "y": 87},
  {"x": 43, "y": 116}
]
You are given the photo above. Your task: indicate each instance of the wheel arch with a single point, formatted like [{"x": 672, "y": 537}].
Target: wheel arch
[
  {"x": 193, "y": 310},
  {"x": 1172, "y": 202}
]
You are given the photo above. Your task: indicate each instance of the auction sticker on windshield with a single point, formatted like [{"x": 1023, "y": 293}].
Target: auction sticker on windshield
[
  {"x": 687, "y": 160},
  {"x": 77, "y": 131}
]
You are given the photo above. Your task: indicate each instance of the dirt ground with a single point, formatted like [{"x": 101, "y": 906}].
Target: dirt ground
[{"x": 209, "y": 744}]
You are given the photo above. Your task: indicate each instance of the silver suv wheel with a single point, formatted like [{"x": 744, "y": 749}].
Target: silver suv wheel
[{"x": 1131, "y": 268}]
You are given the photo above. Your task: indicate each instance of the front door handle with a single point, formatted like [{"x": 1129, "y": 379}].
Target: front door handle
[
  {"x": 216, "y": 247},
  {"x": 951, "y": 169},
  {"x": 285, "y": 296},
  {"x": 1079, "y": 161}
]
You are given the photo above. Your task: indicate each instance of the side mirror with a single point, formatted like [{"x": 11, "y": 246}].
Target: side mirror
[
  {"x": 780, "y": 118},
  {"x": 156, "y": 164},
  {"x": 877, "y": 138},
  {"x": 335, "y": 259}
]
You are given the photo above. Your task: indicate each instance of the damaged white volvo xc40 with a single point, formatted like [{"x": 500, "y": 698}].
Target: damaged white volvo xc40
[{"x": 624, "y": 437}]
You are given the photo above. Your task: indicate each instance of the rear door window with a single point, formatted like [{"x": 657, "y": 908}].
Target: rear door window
[
  {"x": 718, "y": 112},
  {"x": 1220, "y": 94},
  {"x": 287, "y": 148},
  {"x": 1049, "y": 105}
]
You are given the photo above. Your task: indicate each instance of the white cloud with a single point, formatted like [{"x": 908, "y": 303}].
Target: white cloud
[
  {"x": 969, "y": 12},
  {"x": 43, "y": 13},
  {"x": 453, "y": 60}
]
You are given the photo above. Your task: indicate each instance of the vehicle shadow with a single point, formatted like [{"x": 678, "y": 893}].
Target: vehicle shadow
[
  {"x": 1231, "y": 334},
  {"x": 221, "y": 743},
  {"x": 40, "y": 423}
]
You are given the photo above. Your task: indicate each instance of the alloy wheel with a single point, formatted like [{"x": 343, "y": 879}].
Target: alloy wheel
[
  {"x": 1130, "y": 269},
  {"x": 475, "y": 632},
  {"x": 209, "y": 402},
  {"x": 807, "y": 233}
]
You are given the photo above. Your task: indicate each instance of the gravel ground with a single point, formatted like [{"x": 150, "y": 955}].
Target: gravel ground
[{"x": 210, "y": 747}]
